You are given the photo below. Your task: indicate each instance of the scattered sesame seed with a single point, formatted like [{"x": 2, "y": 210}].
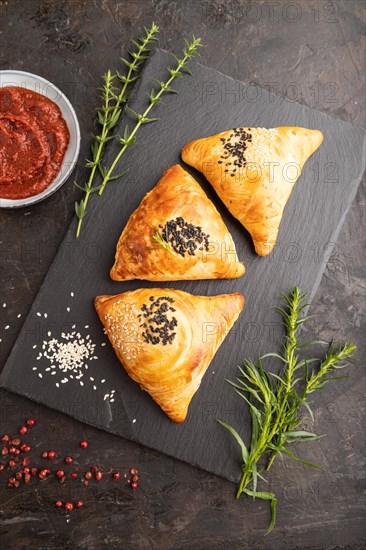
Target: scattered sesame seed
[
  {"x": 57, "y": 385},
  {"x": 7, "y": 327},
  {"x": 111, "y": 400},
  {"x": 35, "y": 345},
  {"x": 67, "y": 309},
  {"x": 72, "y": 294},
  {"x": 134, "y": 420},
  {"x": 86, "y": 326},
  {"x": 45, "y": 315},
  {"x": 4, "y": 304},
  {"x": 102, "y": 381},
  {"x": 19, "y": 315},
  {"x": 38, "y": 314},
  {"x": 40, "y": 375},
  {"x": 94, "y": 387},
  {"x": 49, "y": 333},
  {"x": 103, "y": 344}
]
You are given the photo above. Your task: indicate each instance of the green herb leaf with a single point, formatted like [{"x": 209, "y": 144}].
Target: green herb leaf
[
  {"x": 279, "y": 397},
  {"x": 244, "y": 450}
]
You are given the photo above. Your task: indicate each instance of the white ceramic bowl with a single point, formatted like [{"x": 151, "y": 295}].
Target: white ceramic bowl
[{"x": 46, "y": 88}]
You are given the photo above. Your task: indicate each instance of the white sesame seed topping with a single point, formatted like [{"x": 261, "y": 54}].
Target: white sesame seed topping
[
  {"x": 45, "y": 315},
  {"x": 134, "y": 420},
  {"x": 102, "y": 381},
  {"x": 4, "y": 304},
  {"x": 72, "y": 294},
  {"x": 94, "y": 387},
  {"x": 38, "y": 314},
  {"x": 49, "y": 333},
  {"x": 40, "y": 375},
  {"x": 67, "y": 309},
  {"x": 86, "y": 326},
  {"x": 7, "y": 327},
  {"x": 19, "y": 315}
]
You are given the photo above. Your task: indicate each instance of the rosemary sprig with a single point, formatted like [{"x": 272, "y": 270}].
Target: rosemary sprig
[
  {"x": 274, "y": 400},
  {"x": 110, "y": 113},
  {"x": 129, "y": 137},
  {"x": 162, "y": 241}
]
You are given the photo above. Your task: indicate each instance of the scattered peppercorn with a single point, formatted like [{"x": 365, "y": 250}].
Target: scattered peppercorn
[
  {"x": 69, "y": 506},
  {"x": 25, "y": 461},
  {"x": 98, "y": 476},
  {"x": 5, "y": 439},
  {"x": 51, "y": 454},
  {"x": 45, "y": 454},
  {"x": 23, "y": 430},
  {"x": 31, "y": 421},
  {"x": 79, "y": 504},
  {"x": 134, "y": 471},
  {"x": 84, "y": 444},
  {"x": 12, "y": 463},
  {"x": 74, "y": 476},
  {"x": 116, "y": 476},
  {"x": 16, "y": 441},
  {"x": 58, "y": 503},
  {"x": 88, "y": 475},
  {"x": 60, "y": 473},
  {"x": 68, "y": 459},
  {"x": 134, "y": 485}
]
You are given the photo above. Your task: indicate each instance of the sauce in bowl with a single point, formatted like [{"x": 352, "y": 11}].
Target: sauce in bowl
[{"x": 33, "y": 140}]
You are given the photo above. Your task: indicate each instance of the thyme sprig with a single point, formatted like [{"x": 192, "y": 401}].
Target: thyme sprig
[
  {"x": 109, "y": 114},
  {"x": 162, "y": 241},
  {"x": 129, "y": 137},
  {"x": 275, "y": 400}
]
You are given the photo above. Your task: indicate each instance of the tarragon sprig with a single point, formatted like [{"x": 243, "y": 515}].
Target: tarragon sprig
[
  {"x": 109, "y": 114},
  {"x": 129, "y": 137},
  {"x": 274, "y": 400}
]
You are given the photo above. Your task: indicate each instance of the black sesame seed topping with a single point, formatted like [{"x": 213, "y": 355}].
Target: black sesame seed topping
[
  {"x": 184, "y": 237},
  {"x": 236, "y": 149},
  {"x": 158, "y": 327}
]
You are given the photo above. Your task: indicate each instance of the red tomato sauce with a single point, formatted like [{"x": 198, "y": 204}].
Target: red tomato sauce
[{"x": 33, "y": 140}]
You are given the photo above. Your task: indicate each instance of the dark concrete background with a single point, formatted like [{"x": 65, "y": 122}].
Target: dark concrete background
[{"x": 309, "y": 51}]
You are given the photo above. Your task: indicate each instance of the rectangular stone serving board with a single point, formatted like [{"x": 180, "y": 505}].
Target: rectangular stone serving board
[{"x": 208, "y": 102}]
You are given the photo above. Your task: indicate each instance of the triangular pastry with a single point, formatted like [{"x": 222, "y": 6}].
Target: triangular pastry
[
  {"x": 166, "y": 339},
  {"x": 253, "y": 170},
  {"x": 176, "y": 233}
]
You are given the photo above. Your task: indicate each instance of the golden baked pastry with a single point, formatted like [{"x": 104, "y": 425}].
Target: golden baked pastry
[
  {"x": 166, "y": 339},
  {"x": 176, "y": 233},
  {"x": 253, "y": 170}
]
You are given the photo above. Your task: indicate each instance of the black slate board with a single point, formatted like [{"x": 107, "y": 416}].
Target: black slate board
[{"x": 207, "y": 103}]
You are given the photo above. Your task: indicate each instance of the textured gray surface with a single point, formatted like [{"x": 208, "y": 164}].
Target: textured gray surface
[{"x": 179, "y": 506}]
